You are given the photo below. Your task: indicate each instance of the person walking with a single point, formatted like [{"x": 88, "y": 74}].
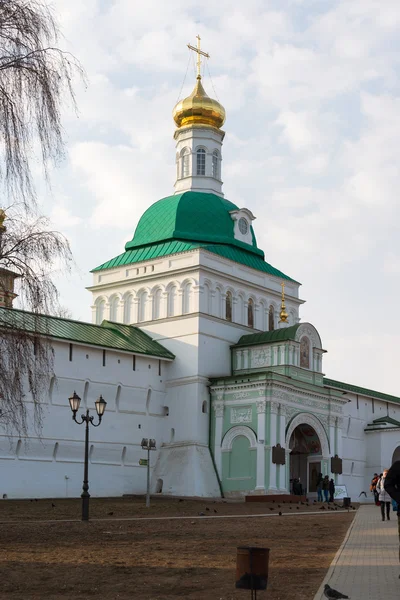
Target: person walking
[
  {"x": 392, "y": 486},
  {"x": 372, "y": 487},
  {"x": 319, "y": 487},
  {"x": 331, "y": 490},
  {"x": 325, "y": 487},
  {"x": 384, "y": 497}
]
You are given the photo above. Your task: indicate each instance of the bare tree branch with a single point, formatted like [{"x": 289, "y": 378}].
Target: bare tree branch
[{"x": 35, "y": 80}]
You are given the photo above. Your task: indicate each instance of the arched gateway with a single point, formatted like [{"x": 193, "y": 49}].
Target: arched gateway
[{"x": 309, "y": 451}]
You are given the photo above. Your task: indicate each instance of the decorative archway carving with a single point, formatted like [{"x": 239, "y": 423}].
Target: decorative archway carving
[
  {"x": 312, "y": 421},
  {"x": 235, "y": 432}
]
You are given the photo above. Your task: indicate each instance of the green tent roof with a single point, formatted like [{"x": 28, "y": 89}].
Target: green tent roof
[
  {"x": 348, "y": 387},
  {"x": 186, "y": 221},
  {"x": 111, "y": 335},
  {"x": 268, "y": 337}
]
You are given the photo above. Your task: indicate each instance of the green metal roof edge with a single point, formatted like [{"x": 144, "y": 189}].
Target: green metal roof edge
[
  {"x": 131, "y": 257},
  {"x": 386, "y": 419},
  {"x": 359, "y": 390},
  {"x": 268, "y": 337},
  {"x": 44, "y": 328}
]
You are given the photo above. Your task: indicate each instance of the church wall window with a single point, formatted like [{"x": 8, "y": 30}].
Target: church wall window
[
  {"x": 218, "y": 300},
  {"x": 100, "y": 310},
  {"x": 172, "y": 301},
  {"x": 250, "y": 313},
  {"x": 142, "y": 308},
  {"x": 207, "y": 299},
  {"x": 187, "y": 299},
  {"x": 185, "y": 158},
  {"x": 128, "y": 309},
  {"x": 240, "y": 310},
  {"x": 201, "y": 161},
  {"x": 204, "y": 407},
  {"x": 215, "y": 165},
  {"x": 157, "y": 304},
  {"x": 271, "y": 318},
  {"x": 228, "y": 306},
  {"x": 114, "y": 309},
  {"x": 305, "y": 352}
]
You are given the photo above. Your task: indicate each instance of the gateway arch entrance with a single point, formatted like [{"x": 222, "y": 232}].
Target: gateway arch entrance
[{"x": 305, "y": 459}]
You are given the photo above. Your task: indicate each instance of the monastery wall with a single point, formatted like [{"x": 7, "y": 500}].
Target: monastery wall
[{"x": 52, "y": 465}]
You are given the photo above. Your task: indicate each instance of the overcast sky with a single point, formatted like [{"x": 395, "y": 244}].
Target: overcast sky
[{"x": 311, "y": 91}]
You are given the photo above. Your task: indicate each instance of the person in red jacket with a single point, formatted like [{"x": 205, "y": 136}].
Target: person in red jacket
[{"x": 392, "y": 486}]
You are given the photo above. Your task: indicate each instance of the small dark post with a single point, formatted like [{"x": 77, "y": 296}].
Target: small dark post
[
  {"x": 252, "y": 569},
  {"x": 100, "y": 404}
]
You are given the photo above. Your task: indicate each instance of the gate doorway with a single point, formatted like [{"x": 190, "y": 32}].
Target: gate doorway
[{"x": 305, "y": 460}]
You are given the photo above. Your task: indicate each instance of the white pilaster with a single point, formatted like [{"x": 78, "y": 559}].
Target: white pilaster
[
  {"x": 219, "y": 419},
  {"x": 281, "y": 438},
  {"x": 273, "y": 432},
  {"x": 260, "y": 481}
]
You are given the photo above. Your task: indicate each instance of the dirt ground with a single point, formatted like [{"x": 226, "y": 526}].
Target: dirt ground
[{"x": 111, "y": 557}]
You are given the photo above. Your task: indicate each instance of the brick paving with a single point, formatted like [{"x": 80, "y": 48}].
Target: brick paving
[{"x": 366, "y": 567}]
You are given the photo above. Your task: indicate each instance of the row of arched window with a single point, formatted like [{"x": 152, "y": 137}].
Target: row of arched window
[
  {"x": 199, "y": 163},
  {"x": 179, "y": 299},
  {"x": 146, "y": 306}
]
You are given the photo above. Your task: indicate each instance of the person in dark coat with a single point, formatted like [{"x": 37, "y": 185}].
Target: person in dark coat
[
  {"x": 392, "y": 487},
  {"x": 331, "y": 490}
]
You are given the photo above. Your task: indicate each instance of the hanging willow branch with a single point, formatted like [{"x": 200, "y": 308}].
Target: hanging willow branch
[
  {"x": 33, "y": 253},
  {"x": 35, "y": 79}
]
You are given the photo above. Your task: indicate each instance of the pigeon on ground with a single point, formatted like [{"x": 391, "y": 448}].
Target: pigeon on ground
[
  {"x": 332, "y": 594},
  {"x": 215, "y": 510},
  {"x": 280, "y": 514},
  {"x": 207, "y": 508},
  {"x": 201, "y": 514},
  {"x": 110, "y": 514},
  {"x": 53, "y": 505}
]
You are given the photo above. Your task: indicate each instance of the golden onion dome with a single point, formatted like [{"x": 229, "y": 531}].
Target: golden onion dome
[{"x": 199, "y": 109}]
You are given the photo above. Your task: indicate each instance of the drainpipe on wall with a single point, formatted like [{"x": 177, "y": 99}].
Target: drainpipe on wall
[{"x": 211, "y": 452}]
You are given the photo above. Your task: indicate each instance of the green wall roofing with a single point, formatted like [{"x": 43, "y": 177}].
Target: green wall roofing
[
  {"x": 347, "y": 387},
  {"x": 164, "y": 249},
  {"x": 115, "y": 336},
  {"x": 268, "y": 337}
]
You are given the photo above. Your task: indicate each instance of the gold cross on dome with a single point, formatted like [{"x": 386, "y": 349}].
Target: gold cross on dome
[{"x": 199, "y": 53}]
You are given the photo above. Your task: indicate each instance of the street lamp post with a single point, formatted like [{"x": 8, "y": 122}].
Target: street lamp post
[
  {"x": 148, "y": 444},
  {"x": 100, "y": 404}
]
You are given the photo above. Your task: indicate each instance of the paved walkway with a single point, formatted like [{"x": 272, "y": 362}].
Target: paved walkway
[{"x": 366, "y": 566}]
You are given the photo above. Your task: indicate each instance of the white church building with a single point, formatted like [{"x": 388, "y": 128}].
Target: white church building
[{"x": 197, "y": 342}]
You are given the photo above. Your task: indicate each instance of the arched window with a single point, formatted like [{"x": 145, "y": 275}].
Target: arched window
[
  {"x": 114, "y": 308},
  {"x": 240, "y": 310},
  {"x": 142, "y": 312},
  {"x": 204, "y": 407},
  {"x": 187, "y": 299},
  {"x": 100, "y": 310},
  {"x": 157, "y": 304},
  {"x": 228, "y": 306},
  {"x": 171, "y": 301},
  {"x": 185, "y": 157},
  {"x": 271, "y": 318},
  {"x": 207, "y": 299},
  {"x": 128, "y": 309},
  {"x": 201, "y": 161},
  {"x": 250, "y": 313},
  {"x": 215, "y": 165},
  {"x": 305, "y": 352},
  {"x": 217, "y": 304}
]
